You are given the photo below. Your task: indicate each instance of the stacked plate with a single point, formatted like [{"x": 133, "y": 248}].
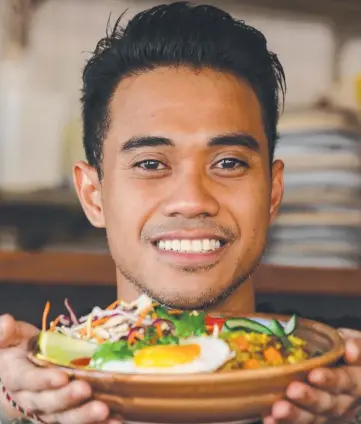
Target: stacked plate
[{"x": 320, "y": 220}]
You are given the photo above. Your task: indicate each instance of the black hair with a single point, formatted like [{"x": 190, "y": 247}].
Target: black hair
[{"x": 178, "y": 34}]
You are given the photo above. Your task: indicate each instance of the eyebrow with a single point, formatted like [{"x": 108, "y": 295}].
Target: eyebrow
[
  {"x": 150, "y": 141},
  {"x": 236, "y": 139}
]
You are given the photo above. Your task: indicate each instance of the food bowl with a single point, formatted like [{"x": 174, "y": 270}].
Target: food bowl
[{"x": 223, "y": 397}]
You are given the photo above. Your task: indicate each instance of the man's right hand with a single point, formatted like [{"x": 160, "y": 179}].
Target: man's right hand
[{"x": 45, "y": 392}]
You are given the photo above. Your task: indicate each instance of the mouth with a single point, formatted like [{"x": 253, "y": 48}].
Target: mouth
[
  {"x": 190, "y": 246},
  {"x": 191, "y": 249}
]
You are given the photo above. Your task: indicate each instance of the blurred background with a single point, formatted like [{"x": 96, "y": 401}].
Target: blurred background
[{"x": 46, "y": 244}]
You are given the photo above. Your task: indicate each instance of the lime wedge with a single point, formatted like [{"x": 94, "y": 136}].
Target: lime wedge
[{"x": 62, "y": 349}]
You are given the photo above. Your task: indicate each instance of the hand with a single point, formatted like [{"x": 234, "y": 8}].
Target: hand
[
  {"x": 45, "y": 392},
  {"x": 333, "y": 395}
]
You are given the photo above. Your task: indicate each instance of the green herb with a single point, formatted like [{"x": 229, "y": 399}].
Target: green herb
[{"x": 187, "y": 324}]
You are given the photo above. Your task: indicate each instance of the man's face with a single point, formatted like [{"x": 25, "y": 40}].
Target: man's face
[{"x": 187, "y": 193}]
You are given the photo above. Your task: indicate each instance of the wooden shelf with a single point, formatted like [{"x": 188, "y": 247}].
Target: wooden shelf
[
  {"x": 98, "y": 270},
  {"x": 347, "y": 12}
]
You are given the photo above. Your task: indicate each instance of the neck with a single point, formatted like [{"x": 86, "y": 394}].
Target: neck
[{"x": 242, "y": 301}]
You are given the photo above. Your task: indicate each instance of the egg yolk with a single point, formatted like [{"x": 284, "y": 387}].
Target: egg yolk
[{"x": 166, "y": 356}]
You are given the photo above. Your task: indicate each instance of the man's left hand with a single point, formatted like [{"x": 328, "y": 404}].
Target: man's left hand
[{"x": 331, "y": 396}]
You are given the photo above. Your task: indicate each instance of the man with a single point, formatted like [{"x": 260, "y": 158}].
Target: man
[{"x": 180, "y": 111}]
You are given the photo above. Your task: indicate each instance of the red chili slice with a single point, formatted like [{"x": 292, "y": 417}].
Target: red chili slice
[
  {"x": 80, "y": 362},
  {"x": 212, "y": 321}
]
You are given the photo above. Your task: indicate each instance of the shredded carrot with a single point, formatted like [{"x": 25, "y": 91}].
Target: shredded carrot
[
  {"x": 175, "y": 312},
  {"x": 55, "y": 323},
  {"x": 143, "y": 315},
  {"x": 45, "y": 315},
  {"x": 135, "y": 335},
  {"x": 159, "y": 330},
  {"x": 97, "y": 338},
  {"x": 112, "y": 305},
  {"x": 272, "y": 354},
  {"x": 100, "y": 321},
  {"x": 157, "y": 326},
  {"x": 252, "y": 364}
]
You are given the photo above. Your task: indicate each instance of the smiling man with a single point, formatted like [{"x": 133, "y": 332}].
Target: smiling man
[
  {"x": 185, "y": 187},
  {"x": 180, "y": 113}
]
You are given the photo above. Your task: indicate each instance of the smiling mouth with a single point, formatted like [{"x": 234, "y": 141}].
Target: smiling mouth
[{"x": 190, "y": 246}]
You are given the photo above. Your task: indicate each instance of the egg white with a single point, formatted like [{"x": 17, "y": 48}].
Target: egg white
[{"x": 214, "y": 353}]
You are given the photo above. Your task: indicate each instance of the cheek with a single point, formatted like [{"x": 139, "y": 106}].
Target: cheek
[
  {"x": 127, "y": 207},
  {"x": 251, "y": 209}
]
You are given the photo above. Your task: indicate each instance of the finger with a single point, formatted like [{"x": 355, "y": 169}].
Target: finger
[
  {"x": 269, "y": 420},
  {"x": 353, "y": 351},
  {"x": 317, "y": 401},
  {"x": 284, "y": 412},
  {"x": 89, "y": 413},
  {"x": 54, "y": 401},
  {"x": 341, "y": 380},
  {"x": 14, "y": 333},
  {"x": 18, "y": 373}
]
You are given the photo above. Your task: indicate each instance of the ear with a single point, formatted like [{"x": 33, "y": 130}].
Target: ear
[
  {"x": 88, "y": 188},
  {"x": 277, "y": 188}
]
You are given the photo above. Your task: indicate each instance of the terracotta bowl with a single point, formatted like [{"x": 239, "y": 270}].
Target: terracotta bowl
[{"x": 234, "y": 396}]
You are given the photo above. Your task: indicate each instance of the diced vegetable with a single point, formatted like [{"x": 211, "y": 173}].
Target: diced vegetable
[
  {"x": 241, "y": 342},
  {"x": 252, "y": 364},
  {"x": 271, "y": 354}
]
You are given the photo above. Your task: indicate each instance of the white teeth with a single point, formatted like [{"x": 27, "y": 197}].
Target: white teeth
[
  {"x": 186, "y": 245},
  {"x": 189, "y": 246},
  {"x": 206, "y": 245},
  {"x": 176, "y": 245},
  {"x": 197, "y": 246}
]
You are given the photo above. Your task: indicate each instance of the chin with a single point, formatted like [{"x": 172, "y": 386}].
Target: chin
[{"x": 191, "y": 299}]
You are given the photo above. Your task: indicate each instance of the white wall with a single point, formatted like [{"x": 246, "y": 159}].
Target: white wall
[{"x": 39, "y": 93}]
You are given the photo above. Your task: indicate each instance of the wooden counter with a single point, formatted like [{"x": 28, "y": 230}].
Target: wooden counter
[{"x": 98, "y": 270}]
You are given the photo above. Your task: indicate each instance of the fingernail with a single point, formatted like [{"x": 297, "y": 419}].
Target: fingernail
[
  {"x": 80, "y": 390},
  {"x": 352, "y": 351},
  {"x": 100, "y": 410},
  {"x": 317, "y": 377},
  {"x": 58, "y": 380}
]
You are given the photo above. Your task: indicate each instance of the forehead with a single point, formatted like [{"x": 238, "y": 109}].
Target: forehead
[{"x": 180, "y": 103}]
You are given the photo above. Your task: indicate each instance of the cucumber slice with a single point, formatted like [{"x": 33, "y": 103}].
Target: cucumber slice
[
  {"x": 291, "y": 325},
  {"x": 279, "y": 332},
  {"x": 234, "y": 324}
]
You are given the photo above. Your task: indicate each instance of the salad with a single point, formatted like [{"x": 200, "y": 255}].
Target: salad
[{"x": 148, "y": 338}]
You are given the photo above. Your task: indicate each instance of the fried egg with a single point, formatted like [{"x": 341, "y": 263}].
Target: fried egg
[{"x": 193, "y": 355}]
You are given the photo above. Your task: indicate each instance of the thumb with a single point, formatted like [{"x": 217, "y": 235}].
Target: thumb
[
  {"x": 15, "y": 333},
  {"x": 348, "y": 333},
  {"x": 353, "y": 351}
]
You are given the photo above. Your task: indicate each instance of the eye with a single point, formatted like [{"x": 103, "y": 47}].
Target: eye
[
  {"x": 230, "y": 163},
  {"x": 150, "y": 165}
]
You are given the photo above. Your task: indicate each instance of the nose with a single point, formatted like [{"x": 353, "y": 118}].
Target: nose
[{"x": 191, "y": 197}]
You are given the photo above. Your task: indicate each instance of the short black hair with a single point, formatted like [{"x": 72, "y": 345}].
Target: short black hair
[{"x": 178, "y": 34}]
